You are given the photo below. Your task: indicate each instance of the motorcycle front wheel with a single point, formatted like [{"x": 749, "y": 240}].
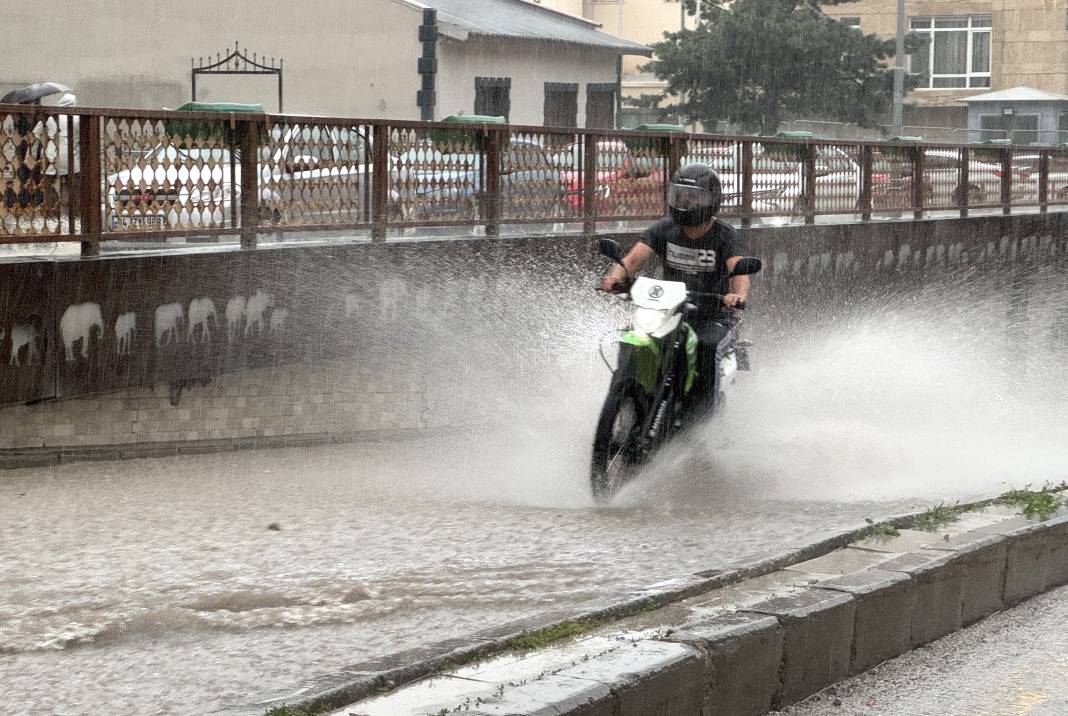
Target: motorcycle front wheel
[{"x": 617, "y": 452}]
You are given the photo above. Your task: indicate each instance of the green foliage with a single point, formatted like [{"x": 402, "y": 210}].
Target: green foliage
[
  {"x": 938, "y": 516},
  {"x": 544, "y": 637},
  {"x": 1036, "y": 503},
  {"x": 292, "y": 711},
  {"x": 879, "y": 529},
  {"x": 757, "y": 62}
]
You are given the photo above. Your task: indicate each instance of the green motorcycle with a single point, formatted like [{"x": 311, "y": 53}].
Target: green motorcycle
[{"x": 647, "y": 398}]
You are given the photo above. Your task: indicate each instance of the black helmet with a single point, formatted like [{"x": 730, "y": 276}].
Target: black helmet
[{"x": 694, "y": 195}]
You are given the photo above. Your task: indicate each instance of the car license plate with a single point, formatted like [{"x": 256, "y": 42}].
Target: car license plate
[{"x": 136, "y": 221}]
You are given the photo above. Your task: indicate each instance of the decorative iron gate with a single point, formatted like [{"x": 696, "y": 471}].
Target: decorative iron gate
[{"x": 237, "y": 63}]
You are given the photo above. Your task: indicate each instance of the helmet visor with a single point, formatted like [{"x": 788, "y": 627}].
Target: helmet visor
[{"x": 687, "y": 198}]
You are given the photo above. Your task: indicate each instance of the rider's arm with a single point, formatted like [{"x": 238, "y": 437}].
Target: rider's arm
[
  {"x": 739, "y": 284},
  {"x": 634, "y": 260}
]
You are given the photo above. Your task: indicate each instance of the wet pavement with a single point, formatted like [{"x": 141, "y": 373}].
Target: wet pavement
[
  {"x": 160, "y": 586},
  {"x": 205, "y": 584},
  {"x": 1011, "y": 664}
]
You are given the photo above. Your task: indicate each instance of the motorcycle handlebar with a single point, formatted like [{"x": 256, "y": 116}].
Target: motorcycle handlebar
[
  {"x": 718, "y": 296},
  {"x": 622, "y": 290}
]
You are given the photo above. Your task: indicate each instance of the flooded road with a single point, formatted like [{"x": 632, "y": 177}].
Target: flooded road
[
  {"x": 159, "y": 586},
  {"x": 211, "y": 583}
]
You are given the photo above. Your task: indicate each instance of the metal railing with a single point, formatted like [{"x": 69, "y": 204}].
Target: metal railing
[{"x": 108, "y": 174}]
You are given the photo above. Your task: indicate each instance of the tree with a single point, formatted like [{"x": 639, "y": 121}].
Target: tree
[{"x": 755, "y": 62}]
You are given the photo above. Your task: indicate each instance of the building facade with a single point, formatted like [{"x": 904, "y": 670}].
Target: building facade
[
  {"x": 971, "y": 47},
  {"x": 644, "y": 21},
  {"x": 360, "y": 58},
  {"x": 968, "y": 48}
]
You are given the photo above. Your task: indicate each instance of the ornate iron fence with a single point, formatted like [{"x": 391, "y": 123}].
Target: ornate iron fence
[{"x": 106, "y": 174}]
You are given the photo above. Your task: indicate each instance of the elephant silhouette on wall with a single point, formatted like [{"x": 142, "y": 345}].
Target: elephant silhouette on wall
[
  {"x": 77, "y": 324},
  {"x": 168, "y": 319},
  {"x": 125, "y": 325},
  {"x": 255, "y": 307},
  {"x": 202, "y": 316},
  {"x": 23, "y": 336},
  {"x": 235, "y": 317}
]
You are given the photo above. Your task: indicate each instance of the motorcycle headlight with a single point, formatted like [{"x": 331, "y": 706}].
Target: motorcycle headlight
[{"x": 648, "y": 320}]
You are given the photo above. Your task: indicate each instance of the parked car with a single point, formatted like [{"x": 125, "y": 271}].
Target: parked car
[
  {"x": 778, "y": 177},
  {"x": 1057, "y": 175},
  {"x": 305, "y": 172},
  {"x": 942, "y": 185},
  {"x": 429, "y": 184},
  {"x": 626, "y": 180}
]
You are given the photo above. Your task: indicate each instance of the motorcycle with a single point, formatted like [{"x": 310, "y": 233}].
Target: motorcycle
[{"x": 647, "y": 402}]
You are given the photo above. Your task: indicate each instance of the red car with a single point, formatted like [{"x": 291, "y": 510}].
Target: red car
[{"x": 628, "y": 183}]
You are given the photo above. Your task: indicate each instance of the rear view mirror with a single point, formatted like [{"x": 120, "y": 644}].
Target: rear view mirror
[
  {"x": 611, "y": 249},
  {"x": 746, "y": 266}
]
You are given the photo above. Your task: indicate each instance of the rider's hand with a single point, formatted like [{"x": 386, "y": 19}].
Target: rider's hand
[
  {"x": 731, "y": 300},
  {"x": 610, "y": 284}
]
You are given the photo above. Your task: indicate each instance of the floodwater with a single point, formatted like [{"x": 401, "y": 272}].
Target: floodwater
[{"x": 212, "y": 583}]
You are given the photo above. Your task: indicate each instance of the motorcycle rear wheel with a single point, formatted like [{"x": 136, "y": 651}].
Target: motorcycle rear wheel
[{"x": 617, "y": 452}]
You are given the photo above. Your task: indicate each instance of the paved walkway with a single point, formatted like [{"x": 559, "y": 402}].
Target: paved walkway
[{"x": 1011, "y": 664}]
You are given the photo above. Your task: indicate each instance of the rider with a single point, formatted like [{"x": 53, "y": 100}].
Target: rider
[{"x": 697, "y": 248}]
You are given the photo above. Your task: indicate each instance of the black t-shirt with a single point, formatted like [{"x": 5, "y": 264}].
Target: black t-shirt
[{"x": 700, "y": 263}]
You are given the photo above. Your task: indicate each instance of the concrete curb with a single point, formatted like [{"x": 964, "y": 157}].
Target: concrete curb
[{"x": 842, "y": 624}]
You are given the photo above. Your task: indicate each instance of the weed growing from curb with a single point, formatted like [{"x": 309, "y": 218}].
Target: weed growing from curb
[
  {"x": 938, "y": 516},
  {"x": 543, "y": 637},
  {"x": 293, "y": 711},
  {"x": 1036, "y": 503},
  {"x": 878, "y": 529}
]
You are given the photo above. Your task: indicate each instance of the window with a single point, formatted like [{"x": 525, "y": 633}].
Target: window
[
  {"x": 493, "y": 96},
  {"x": 955, "y": 52},
  {"x": 853, "y": 22},
  {"x": 600, "y": 106},
  {"x": 561, "y": 104},
  {"x": 1020, "y": 128}
]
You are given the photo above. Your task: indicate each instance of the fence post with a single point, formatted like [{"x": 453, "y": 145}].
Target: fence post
[
  {"x": 747, "y": 183},
  {"x": 589, "y": 184},
  {"x": 380, "y": 182},
  {"x": 965, "y": 181},
  {"x": 917, "y": 182},
  {"x": 491, "y": 203},
  {"x": 1006, "y": 181},
  {"x": 249, "y": 138},
  {"x": 865, "y": 182},
  {"x": 676, "y": 150},
  {"x": 809, "y": 186},
  {"x": 1043, "y": 181},
  {"x": 90, "y": 184}
]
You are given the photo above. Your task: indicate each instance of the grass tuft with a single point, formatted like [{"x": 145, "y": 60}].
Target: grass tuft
[
  {"x": 879, "y": 529},
  {"x": 543, "y": 637},
  {"x": 937, "y": 517},
  {"x": 1036, "y": 503}
]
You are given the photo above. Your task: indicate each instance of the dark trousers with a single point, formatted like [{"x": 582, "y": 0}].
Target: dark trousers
[{"x": 713, "y": 337}]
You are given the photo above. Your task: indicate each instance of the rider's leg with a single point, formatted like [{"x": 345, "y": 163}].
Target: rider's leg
[{"x": 712, "y": 340}]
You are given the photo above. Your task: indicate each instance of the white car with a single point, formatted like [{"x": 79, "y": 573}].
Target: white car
[
  {"x": 306, "y": 174},
  {"x": 778, "y": 177},
  {"x": 942, "y": 180}
]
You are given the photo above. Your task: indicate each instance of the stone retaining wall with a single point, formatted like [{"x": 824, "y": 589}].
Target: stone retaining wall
[
  {"x": 322, "y": 401},
  {"x": 359, "y": 339}
]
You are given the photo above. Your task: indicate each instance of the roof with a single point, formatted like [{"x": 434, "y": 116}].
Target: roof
[
  {"x": 1017, "y": 94},
  {"x": 525, "y": 20}
]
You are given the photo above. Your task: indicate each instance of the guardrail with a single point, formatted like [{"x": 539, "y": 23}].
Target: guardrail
[{"x": 113, "y": 174}]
